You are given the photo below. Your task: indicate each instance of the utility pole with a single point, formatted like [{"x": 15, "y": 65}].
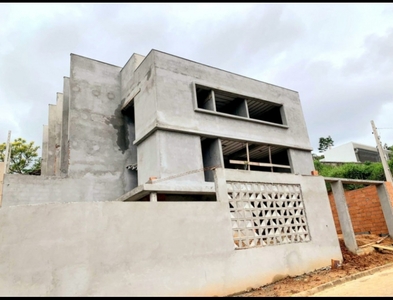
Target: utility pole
[{"x": 388, "y": 175}]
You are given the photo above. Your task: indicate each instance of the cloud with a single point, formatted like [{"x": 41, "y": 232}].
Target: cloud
[
  {"x": 376, "y": 58},
  {"x": 337, "y": 56}
]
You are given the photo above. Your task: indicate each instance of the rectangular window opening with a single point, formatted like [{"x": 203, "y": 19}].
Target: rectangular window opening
[
  {"x": 255, "y": 157},
  {"x": 239, "y": 105}
]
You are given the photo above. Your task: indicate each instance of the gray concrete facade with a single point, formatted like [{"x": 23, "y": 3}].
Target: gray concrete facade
[
  {"x": 147, "y": 120},
  {"x": 146, "y": 175}
]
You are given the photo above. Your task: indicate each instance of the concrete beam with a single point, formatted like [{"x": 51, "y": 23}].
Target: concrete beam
[
  {"x": 147, "y": 188},
  {"x": 344, "y": 217},
  {"x": 352, "y": 181}
]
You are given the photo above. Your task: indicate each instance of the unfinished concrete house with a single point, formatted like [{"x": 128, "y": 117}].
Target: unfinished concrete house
[{"x": 166, "y": 177}]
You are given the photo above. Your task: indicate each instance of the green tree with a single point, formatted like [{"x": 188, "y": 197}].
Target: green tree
[
  {"x": 325, "y": 143},
  {"x": 366, "y": 170},
  {"x": 24, "y": 157}
]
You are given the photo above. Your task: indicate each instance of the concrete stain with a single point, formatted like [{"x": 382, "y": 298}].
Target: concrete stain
[{"x": 117, "y": 122}]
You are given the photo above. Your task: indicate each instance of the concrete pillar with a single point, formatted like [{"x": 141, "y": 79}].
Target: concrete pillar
[
  {"x": 153, "y": 197},
  {"x": 64, "y": 146},
  {"x": 44, "y": 153},
  {"x": 51, "y": 140},
  {"x": 344, "y": 217},
  {"x": 386, "y": 206},
  {"x": 212, "y": 156},
  {"x": 58, "y": 128},
  {"x": 220, "y": 184}
]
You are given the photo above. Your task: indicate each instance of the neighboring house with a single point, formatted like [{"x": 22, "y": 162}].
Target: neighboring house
[
  {"x": 352, "y": 152},
  {"x": 166, "y": 177}
]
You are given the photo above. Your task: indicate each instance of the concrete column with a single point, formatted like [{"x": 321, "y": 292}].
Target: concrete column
[
  {"x": 386, "y": 206},
  {"x": 153, "y": 197},
  {"x": 344, "y": 217},
  {"x": 44, "y": 153},
  {"x": 212, "y": 156},
  {"x": 220, "y": 185},
  {"x": 64, "y": 146},
  {"x": 58, "y": 125},
  {"x": 51, "y": 140}
]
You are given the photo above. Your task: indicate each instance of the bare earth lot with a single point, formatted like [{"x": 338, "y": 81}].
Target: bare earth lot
[{"x": 351, "y": 264}]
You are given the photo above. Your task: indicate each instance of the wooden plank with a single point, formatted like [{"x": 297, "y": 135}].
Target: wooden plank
[
  {"x": 377, "y": 242},
  {"x": 383, "y": 247},
  {"x": 244, "y": 162}
]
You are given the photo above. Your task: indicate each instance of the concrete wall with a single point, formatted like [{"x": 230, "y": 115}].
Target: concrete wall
[
  {"x": 24, "y": 189},
  {"x": 165, "y": 154},
  {"x": 364, "y": 209},
  {"x": 96, "y": 131},
  {"x": 149, "y": 249}
]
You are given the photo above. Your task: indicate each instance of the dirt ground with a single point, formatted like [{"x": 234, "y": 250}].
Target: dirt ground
[{"x": 352, "y": 263}]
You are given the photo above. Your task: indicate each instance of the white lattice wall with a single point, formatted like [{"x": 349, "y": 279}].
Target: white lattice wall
[{"x": 267, "y": 214}]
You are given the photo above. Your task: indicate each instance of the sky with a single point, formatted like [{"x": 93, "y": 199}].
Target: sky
[{"x": 337, "y": 56}]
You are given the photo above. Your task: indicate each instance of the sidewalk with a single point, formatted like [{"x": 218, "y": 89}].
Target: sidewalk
[{"x": 375, "y": 282}]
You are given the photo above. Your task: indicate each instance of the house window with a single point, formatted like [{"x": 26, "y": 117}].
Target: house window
[
  {"x": 230, "y": 154},
  {"x": 255, "y": 157},
  {"x": 219, "y": 101}
]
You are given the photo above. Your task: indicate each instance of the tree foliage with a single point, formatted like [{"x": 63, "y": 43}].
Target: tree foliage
[
  {"x": 24, "y": 157},
  {"x": 325, "y": 143},
  {"x": 366, "y": 171}
]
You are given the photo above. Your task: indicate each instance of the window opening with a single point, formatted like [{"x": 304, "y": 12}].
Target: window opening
[
  {"x": 238, "y": 105},
  {"x": 257, "y": 157}
]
